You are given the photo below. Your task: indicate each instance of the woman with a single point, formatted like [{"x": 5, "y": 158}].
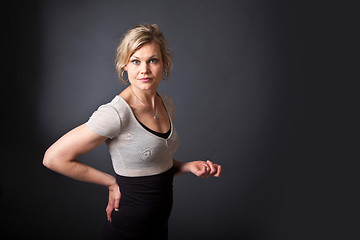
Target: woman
[{"x": 138, "y": 127}]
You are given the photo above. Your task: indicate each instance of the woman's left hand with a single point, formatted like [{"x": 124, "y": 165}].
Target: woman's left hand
[{"x": 204, "y": 169}]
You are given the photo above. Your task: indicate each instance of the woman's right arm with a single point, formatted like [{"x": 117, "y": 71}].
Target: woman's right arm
[{"x": 61, "y": 156}]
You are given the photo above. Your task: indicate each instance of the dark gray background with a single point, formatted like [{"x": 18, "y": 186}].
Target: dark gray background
[{"x": 256, "y": 90}]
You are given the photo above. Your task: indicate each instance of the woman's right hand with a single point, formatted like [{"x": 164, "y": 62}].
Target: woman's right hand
[{"x": 114, "y": 200}]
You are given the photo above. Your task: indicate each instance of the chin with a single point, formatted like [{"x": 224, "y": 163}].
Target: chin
[{"x": 146, "y": 85}]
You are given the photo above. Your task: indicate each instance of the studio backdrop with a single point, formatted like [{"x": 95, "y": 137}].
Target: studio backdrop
[{"x": 234, "y": 106}]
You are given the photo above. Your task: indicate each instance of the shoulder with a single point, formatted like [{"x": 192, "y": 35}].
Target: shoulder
[
  {"x": 117, "y": 104},
  {"x": 107, "y": 119},
  {"x": 112, "y": 108},
  {"x": 167, "y": 99},
  {"x": 169, "y": 104}
]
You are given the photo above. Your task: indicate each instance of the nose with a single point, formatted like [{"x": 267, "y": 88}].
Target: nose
[{"x": 144, "y": 68}]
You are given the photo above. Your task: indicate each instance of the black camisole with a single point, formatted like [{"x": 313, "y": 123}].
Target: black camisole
[{"x": 159, "y": 134}]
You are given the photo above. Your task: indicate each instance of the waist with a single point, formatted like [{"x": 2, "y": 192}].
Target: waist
[
  {"x": 153, "y": 189},
  {"x": 160, "y": 179},
  {"x": 136, "y": 167}
]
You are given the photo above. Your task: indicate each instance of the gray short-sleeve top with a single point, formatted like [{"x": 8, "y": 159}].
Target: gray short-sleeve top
[{"x": 134, "y": 150}]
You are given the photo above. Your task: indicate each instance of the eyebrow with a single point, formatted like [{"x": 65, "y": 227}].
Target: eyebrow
[{"x": 148, "y": 58}]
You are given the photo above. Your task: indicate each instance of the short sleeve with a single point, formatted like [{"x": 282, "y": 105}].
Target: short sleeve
[{"x": 105, "y": 121}]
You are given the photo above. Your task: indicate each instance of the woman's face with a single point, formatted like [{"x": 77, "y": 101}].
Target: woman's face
[{"x": 145, "y": 67}]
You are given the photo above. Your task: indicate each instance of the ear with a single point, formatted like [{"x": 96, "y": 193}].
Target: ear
[{"x": 125, "y": 67}]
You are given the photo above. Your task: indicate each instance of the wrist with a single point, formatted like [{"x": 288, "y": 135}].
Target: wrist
[
  {"x": 185, "y": 168},
  {"x": 113, "y": 186},
  {"x": 112, "y": 183}
]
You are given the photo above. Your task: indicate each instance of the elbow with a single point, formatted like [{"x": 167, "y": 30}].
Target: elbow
[
  {"x": 49, "y": 159},
  {"x": 56, "y": 160},
  {"x": 46, "y": 160}
]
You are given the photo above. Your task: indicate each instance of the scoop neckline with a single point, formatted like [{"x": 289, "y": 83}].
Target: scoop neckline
[{"x": 138, "y": 123}]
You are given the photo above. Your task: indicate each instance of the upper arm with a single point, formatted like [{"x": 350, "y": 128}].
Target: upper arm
[
  {"x": 76, "y": 142},
  {"x": 104, "y": 123}
]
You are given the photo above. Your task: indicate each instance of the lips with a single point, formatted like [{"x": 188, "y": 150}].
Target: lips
[{"x": 145, "y": 79}]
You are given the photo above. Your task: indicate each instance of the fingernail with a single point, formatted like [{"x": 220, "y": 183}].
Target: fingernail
[{"x": 116, "y": 209}]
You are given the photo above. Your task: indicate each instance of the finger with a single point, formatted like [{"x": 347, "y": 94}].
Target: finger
[
  {"x": 203, "y": 171},
  {"x": 219, "y": 169},
  {"x": 117, "y": 202},
  {"x": 213, "y": 170},
  {"x": 109, "y": 210},
  {"x": 206, "y": 170}
]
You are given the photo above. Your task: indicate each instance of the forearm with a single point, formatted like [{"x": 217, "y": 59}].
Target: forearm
[
  {"x": 80, "y": 171},
  {"x": 180, "y": 167}
]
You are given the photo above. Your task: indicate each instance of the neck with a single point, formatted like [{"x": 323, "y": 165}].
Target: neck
[{"x": 147, "y": 96}]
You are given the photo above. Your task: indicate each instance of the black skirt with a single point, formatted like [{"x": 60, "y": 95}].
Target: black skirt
[{"x": 145, "y": 207}]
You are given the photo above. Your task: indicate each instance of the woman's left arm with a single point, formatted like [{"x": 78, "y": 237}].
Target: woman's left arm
[{"x": 198, "y": 168}]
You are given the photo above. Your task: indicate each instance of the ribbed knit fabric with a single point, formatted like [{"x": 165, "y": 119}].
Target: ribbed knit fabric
[{"x": 134, "y": 150}]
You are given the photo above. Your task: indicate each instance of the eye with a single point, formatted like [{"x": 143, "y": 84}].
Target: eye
[
  {"x": 154, "y": 60},
  {"x": 136, "y": 62}
]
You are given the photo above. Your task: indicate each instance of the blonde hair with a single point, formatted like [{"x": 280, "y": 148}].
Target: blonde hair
[{"x": 134, "y": 39}]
